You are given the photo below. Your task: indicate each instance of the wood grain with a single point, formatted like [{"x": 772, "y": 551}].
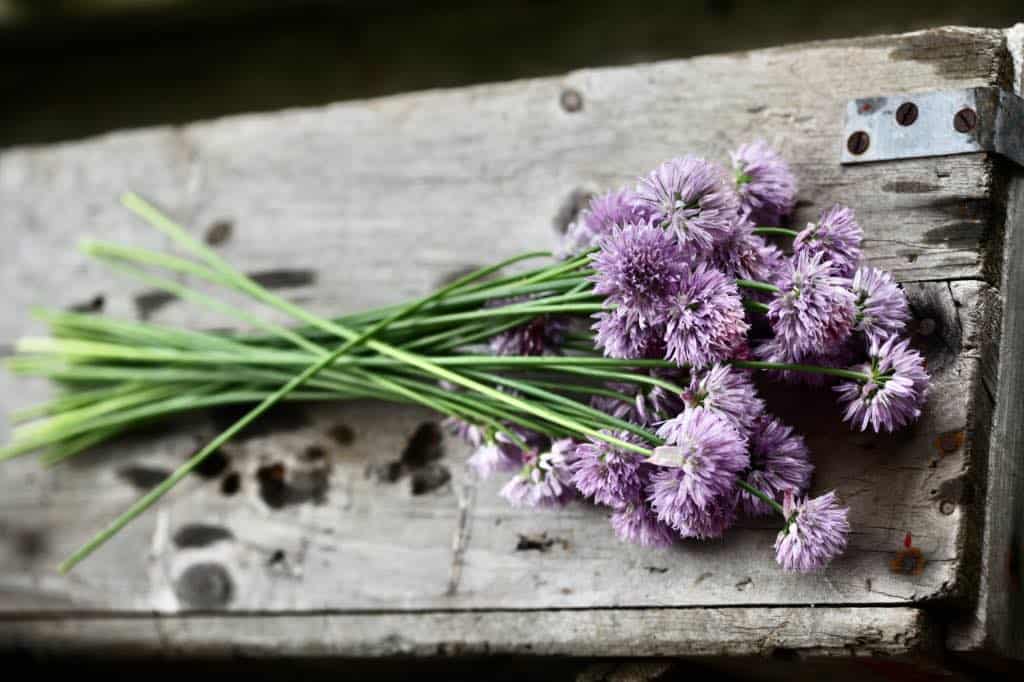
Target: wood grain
[
  {"x": 371, "y": 543},
  {"x": 365, "y": 203},
  {"x": 801, "y": 632},
  {"x": 450, "y": 179},
  {"x": 997, "y": 623}
]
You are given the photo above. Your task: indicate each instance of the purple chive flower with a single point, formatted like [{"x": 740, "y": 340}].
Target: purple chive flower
[
  {"x": 662, "y": 401},
  {"x": 882, "y": 309},
  {"x": 542, "y": 334},
  {"x": 775, "y": 350},
  {"x": 814, "y": 309},
  {"x": 745, "y": 255},
  {"x": 893, "y": 396},
  {"x": 629, "y": 410},
  {"x": 502, "y": 453},
  {"x": 766, "y": 186},
  {"x": 692, "y": 198},
  {"x": 602, "y": 215},
  {"x": 635, "y": 406},
  {"x": 638, "y": 269},
  {"x": 815, "y": 533},
  {"x": 460, "y": 428},
  {"x": 636, "y": 522},
  {"x": 695, "y": 491},
  {"x": 727, "y": 392},
  {"x": 544, "y": 480},
  {"x": 706, "y": 322},
  {"x": 836, "y": 236},
  {"x": 609, "y": 475},
  {"x": 491, "y": 458},
  {"x": 620, "y": 336},
  {"x": 706, "y": 447},
  {"x": 646, "y": 407},
  {"x": 780, "y": 463},
  {"x": 674, "y": 507}
]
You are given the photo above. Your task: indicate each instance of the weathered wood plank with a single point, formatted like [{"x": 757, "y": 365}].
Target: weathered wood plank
[
  {"x": 997, "y": 624},
  {"x": 450, "y": 179},
  {"x": 366, "y": 203},
  {"x": 371, "y": 543},
  {"x": 593, "y": 632}
]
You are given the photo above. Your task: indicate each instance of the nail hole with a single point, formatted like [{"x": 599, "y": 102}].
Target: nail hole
[
  {"x": 231, "y": 484},
  {"x": 219, "y": 232},
  {"x": 572, "y": 100}
]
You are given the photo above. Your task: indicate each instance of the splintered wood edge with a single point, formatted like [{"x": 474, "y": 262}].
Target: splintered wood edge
[
  {"x": 997, "y": 624},
  {"x": 796, "y": 632}
]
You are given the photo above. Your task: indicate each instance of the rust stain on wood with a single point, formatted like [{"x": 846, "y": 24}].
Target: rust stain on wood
[
  {"x": 949, "y": 442},
  {"x": 909, "y": 560}
]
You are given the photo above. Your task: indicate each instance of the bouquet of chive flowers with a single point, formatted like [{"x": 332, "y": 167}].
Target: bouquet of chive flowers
[{"x": 620, "y": 372}]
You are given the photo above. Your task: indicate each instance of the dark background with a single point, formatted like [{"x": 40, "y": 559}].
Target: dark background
[{"x": 72, "y": 68}]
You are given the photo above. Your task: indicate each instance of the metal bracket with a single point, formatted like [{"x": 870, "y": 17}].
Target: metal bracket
[{"x": 934, "y": 124}]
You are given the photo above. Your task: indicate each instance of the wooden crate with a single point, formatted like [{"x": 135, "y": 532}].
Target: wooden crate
[{"x": 366, "y": 203}]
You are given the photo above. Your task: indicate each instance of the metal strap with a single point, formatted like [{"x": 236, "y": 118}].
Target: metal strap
[{"x": 934, "y": 124}]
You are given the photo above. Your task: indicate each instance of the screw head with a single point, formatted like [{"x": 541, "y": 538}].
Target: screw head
[
  {"x": 965, "y": 120},
  {"x": 571, "y": 100},
  {"x": 947, "y": 507},
  {"x": 906, "y": 114},
  {"x": 858, "y": 142}
]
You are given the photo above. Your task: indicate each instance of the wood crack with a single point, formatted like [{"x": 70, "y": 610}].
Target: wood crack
[{"x": 466, "y": 493}]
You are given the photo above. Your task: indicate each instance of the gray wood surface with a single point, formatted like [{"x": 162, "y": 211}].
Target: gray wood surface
[
  {"x": 997, "y": 623},
  {"x": 803, "y": 632},
  {"x": 365, "y": 203}
]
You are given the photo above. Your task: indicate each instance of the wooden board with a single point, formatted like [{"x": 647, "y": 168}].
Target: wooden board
[
  {"x": 795, "y": 632},
  {"x": 365, "y": 203},
  {"x": 997, "y": 621}
]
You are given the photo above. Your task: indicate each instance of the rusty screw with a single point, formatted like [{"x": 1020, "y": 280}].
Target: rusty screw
[
  {"x": 571, "y": 100},
  {"x": 965, "y": 120},
  {"x": 858, "y": 142},
  {"x": 906, "y": 114}
]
